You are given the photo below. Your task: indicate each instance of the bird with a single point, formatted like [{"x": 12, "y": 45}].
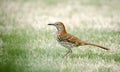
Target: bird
[{"x": 69, "y": 41}]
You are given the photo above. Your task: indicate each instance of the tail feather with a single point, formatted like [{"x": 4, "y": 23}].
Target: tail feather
[{"x": 97, "y": 46}]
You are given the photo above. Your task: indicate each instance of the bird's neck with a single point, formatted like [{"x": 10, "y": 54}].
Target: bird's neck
[{"x": 61, "y": 30}]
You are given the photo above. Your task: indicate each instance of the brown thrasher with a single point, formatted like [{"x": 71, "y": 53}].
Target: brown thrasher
[{"x": 69, "y": 41}]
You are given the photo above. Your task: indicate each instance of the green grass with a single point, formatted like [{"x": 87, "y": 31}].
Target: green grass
[{"x": 28, "y": 44}]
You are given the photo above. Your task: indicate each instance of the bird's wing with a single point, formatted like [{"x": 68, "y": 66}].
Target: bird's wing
[{"x": 69, "y": 38}]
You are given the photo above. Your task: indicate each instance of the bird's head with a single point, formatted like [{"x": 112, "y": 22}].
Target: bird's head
[{"x": 59, "y": 25}]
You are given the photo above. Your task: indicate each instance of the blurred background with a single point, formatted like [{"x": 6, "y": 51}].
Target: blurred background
[{"x": 27, "y": 43}]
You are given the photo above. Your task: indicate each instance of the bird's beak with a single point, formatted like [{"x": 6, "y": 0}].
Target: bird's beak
[{"x": 51, "y": 24}]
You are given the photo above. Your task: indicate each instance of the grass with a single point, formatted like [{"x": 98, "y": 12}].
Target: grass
[{"x": 27, "y": 43}]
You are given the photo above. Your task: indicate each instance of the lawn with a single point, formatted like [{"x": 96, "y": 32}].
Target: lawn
[{"x": 28, "y": 44}]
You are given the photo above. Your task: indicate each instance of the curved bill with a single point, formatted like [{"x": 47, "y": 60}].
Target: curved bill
[{"x": 51, "y": 24}]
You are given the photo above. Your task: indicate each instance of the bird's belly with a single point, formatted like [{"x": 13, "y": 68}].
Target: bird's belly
[{"x": 67, "y": 44}]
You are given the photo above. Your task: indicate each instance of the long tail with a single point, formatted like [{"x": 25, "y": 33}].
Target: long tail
[{"x": 97, "y": 46}]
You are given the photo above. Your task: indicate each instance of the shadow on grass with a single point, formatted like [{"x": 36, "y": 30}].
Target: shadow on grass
[{"x": 13, "y": 53}]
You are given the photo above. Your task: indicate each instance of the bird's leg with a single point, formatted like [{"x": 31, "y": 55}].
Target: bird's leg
[{"x": 69, "y": 51}]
